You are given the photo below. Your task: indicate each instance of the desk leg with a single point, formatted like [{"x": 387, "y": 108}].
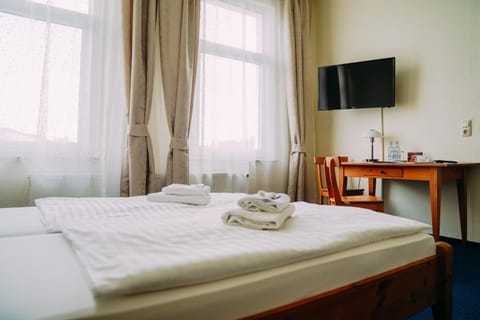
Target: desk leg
[
  {"x": 372, "y": 186},
  {"x": 462, "y": 204},
  {"x": 435, "y": 199}
]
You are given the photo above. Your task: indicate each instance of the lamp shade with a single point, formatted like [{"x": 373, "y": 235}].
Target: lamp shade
[{"x": 371, "y": 133}]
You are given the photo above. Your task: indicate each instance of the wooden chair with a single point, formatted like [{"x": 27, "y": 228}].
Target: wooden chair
[
  {"x": 321, "y": 182},
  {"x": 334, "y": 196}
]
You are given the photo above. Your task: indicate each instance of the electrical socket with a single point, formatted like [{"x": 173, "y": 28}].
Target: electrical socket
[{"x": 466, "y": 128}]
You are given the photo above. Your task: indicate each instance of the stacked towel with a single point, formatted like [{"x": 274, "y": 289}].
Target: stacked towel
[
  {"x": 265, "y": 202},
  {"x": 258, "y": 220},
  {"x": 197, "y": 194},
  {"x": 263, "y": 210},
  {"x": 187, "y": 189}
]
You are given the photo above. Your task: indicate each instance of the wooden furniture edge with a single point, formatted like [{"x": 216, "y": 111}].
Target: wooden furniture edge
[
  {"x": 433, "y": 173},
  {"x": 413, "y": 164},
  {"x": 442, "y": 308},
  {"x": 394, "y": 294}
]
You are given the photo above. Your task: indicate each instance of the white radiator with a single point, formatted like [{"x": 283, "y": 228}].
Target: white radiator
[
  {"x": 223, "y": 182},
  {"x": 78, "y": 185}
]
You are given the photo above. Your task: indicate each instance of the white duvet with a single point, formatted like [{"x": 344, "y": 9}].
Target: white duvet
[
  {"x": 147, "y": 249},
  {"x": 54, "y": 208}
]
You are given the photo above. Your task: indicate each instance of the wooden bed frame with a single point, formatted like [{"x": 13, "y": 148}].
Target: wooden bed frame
[{"x": 395, "y": 294}]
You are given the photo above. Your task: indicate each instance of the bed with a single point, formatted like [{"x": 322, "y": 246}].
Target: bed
[
  {"x": 392, "y": 278},
  {"x": 20, "y": 221}
]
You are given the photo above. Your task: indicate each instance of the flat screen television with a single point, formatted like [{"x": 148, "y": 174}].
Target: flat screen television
[{"x": 363, "y": 84}]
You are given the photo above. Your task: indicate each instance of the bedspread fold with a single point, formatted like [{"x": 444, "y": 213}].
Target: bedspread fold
[{"x": 139, "y": 252}]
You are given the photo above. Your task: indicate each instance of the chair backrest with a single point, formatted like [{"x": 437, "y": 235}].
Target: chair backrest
[
  {"x": 331, "y": 165},
  {"x": 322, "y": 187},
  {"x": 321, "y": 184}
]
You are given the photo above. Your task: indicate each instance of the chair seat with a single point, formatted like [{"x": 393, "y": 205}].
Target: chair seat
[
  {"x": 366, "y": 202},
  {"x": 335, "y": 198},
  {"x": 360, "y": 199}
]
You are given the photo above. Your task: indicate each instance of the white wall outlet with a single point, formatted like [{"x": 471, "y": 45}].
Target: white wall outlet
[{"x": 466, "y": 128}]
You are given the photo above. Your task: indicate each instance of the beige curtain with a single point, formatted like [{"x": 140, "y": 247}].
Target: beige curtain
[
  {"x": 179, "y": 23},
  {"x": 297, "y": 13},
  {"x": 139, "y": 29}
]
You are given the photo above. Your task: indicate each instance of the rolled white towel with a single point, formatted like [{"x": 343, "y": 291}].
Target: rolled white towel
[
  {"x": 186, "y": 189},
  {"x": 201, "y": 200},
  {"x": 265, "y": 202},
  {"x": 257, "y": 220}
]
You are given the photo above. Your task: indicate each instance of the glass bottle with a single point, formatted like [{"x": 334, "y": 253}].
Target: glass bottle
[
  {"x": 396, "y": 152},
  {"x": 390, "y": 151}
]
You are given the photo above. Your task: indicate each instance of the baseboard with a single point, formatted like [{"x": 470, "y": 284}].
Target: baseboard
[{"x": 455, "y": 241}]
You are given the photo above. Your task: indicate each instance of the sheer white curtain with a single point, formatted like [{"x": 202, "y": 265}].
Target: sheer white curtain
[
  {"x": 62, "y": 101},
  {"x": 238, "y": 139}
]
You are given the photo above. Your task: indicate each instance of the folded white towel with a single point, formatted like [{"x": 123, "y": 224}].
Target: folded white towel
[
  {"x": 186, "y": 189},
  {"x": 257, "y": 220},
  {"x": 265, "y": 201},
  {"x": 187, "y": 199}
]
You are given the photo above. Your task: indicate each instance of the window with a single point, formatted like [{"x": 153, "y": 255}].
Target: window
[
  {"x": 238, "y": 100},
  {"x": 44, "y": 50},
  {"x": 62, "y": 98}
]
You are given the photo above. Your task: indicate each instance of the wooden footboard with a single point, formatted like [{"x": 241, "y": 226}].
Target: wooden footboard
[{"x": 395, "y": 294}]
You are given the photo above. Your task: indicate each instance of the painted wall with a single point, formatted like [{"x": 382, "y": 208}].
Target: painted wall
[{"x": 437, "y": 48}]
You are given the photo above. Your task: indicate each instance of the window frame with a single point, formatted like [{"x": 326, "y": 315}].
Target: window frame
[
  {"x": 263, "y": 59},
  {"x": 68, "y": 18}
]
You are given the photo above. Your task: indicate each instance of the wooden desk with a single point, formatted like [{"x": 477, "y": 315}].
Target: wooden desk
[{"x": 434, "y": 173}]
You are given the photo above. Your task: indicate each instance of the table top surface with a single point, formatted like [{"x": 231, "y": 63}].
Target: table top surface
[{"x": 412, "y": 164}]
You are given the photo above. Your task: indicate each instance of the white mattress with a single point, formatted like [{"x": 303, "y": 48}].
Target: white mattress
[
  {"x": 41, "y": 278},
  {"x": 20, "y": 221}
]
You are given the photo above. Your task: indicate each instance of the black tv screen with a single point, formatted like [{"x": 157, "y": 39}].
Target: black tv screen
[{"x": 363, "y": 84}]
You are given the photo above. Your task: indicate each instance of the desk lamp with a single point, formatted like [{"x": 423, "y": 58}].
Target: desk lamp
[{"x": 372, "y": 134}]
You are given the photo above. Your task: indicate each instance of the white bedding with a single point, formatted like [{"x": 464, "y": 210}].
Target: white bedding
[
  {"x": 136, "y": 251},
  {"x": 53, "y": 208},
  {"x": 20, "y": 221},
  {"x": 41, "y": 279},
  {"x": 32, "y": 220},
  {"x": 191, "y": 258}
]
